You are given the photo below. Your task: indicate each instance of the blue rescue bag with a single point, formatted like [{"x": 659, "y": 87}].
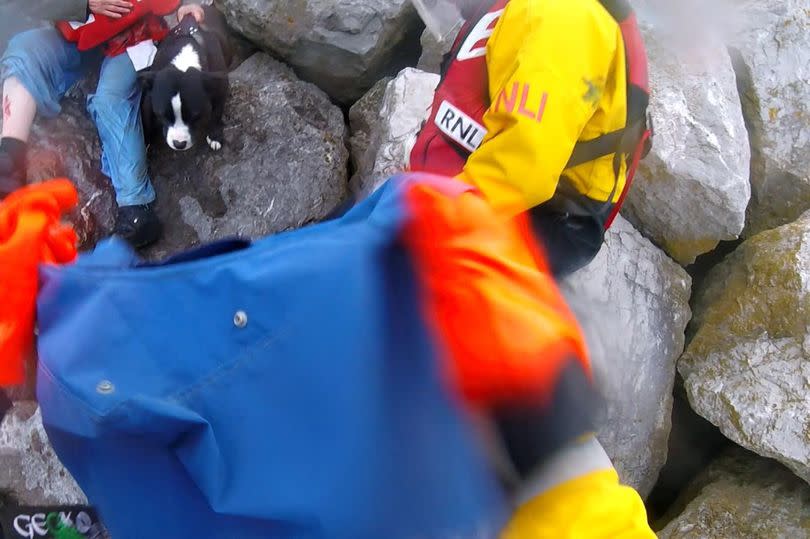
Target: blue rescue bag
[{"x": 288, "y": 388}]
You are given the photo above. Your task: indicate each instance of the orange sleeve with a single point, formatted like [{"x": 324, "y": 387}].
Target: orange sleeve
[{"x": 30, "y": 233}]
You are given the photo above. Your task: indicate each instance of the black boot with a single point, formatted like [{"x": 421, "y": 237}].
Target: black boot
[
  {"x": 139, "y": 225},
  {"x": 12, "y": 165}
]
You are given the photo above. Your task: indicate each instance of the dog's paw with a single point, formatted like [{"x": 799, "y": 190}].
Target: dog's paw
[{"x": 213, "y": 144}]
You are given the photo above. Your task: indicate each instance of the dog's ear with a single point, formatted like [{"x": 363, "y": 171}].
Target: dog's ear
[
  {"x": 212, "y": 80},
  {"x": 146, "y": 79}
]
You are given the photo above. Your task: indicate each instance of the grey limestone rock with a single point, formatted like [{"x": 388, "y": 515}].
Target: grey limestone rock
[
  {"x": 633, "y": 304},
  {"x": 747, "y": 368}
]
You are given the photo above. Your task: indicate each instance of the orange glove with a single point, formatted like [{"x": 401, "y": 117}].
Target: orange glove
[
  {"x": 30, "y": 233},
  {"x": 494, "y": 304}
]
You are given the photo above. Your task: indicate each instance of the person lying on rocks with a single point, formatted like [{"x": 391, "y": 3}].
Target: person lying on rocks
[{"x": 38, "y": 68}]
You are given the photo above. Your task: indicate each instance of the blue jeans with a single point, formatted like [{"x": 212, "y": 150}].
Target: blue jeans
[{"x": 47, "y": 66}]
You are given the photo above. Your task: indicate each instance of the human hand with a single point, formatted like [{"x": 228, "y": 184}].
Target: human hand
[
  {"x": 115, "y": 9},
  {"x": 191, "y": 9}
]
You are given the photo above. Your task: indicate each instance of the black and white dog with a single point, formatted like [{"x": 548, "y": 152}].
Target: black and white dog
[{"x": 186, "y": 87}]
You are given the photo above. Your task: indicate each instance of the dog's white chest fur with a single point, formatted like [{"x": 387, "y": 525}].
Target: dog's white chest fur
[{"x": 187, "y": 59}]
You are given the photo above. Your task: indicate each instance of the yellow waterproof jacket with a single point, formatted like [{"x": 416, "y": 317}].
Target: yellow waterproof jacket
[{"x": 556, "y": 76}]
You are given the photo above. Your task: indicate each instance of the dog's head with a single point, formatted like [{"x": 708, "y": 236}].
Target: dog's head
[{"x": 181, "y": 102}]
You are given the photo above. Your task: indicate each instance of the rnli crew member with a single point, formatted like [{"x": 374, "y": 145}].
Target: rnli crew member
[{"x": 540, "y": 108}]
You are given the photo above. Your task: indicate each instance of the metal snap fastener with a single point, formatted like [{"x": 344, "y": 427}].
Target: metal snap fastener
[
  {"x": 105, "y": 387},
  {"x": 240, "y": 319}
]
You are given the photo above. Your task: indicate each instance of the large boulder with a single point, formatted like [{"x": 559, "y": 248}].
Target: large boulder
[
  {"x": 400, "y": 112},
  {"x": 433, "y": 52},
  {"x": 743, "y": 496},
  {"x": 344, "y": 47},
  {"x": 772, "y": 57},
  {"x": 747, "y": 368},
  {"x": 693, "y": 444},
  {"x": 364, "y": 119},
  {"x": 633, "y": 304},
  {"x": 29, "y": 468},
  {"x": 283, "y": 163},
  {"x": 692, "y": 190}
]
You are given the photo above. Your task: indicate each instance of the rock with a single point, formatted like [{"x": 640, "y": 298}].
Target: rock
[
  {"x": 404, "y": 107},
  {"x": 741, "y": 495},
  {"x": 747, "y": 368},
  {"x": 29, "y": 468},
  {"x": 344, "y": 47},
  {"x": 692, "y": 190},
  {"x": 283, "y": 163},
  {"x": 693, "y": 444},
  {"x": 433, "y": 52},
  {"x": 241, "y": 50},
  {"x": 772, "y": 58},
  {"x": 633, "y": 304},
  {"x": 364, "y": 118}
]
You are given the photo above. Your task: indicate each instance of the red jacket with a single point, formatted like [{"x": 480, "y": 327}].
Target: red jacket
[{"x": 144, "y": 22}]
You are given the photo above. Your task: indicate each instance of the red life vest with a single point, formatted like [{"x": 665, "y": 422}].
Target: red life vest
[{"x": 455, "y": 127}]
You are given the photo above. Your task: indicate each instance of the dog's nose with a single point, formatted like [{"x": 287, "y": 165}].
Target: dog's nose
[{"x": 179, "y": 144}]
